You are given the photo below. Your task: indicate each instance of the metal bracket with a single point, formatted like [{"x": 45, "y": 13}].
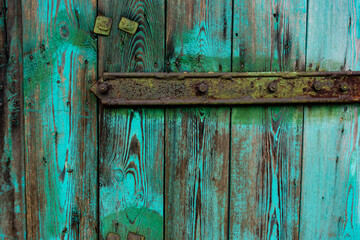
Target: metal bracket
[{"x": 128, "y": 89}]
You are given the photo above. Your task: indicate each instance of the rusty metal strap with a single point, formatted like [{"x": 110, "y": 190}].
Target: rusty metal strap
[{"x": 128, "y": 89}]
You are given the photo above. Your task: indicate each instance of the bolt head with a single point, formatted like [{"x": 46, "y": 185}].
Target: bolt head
[
  {"x": 272, "y": 87},
  {"x": 344, "y": 87},
  {"x": 103, "y": 88},
  {"x": 203, "y": 88},
  {"x": 318, "y": 86}
]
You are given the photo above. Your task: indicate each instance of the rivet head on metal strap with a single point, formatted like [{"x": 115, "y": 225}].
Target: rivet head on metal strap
[
  {"x": 103, "y": 88},
  {"x": 344, "y": 87},
  {"x": 318, "y": 86},
  {"x": 203, "y": 88},
  {"x": 272, "y": 87}
]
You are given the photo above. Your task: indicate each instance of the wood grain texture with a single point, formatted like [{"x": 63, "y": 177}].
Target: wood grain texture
[
  {"x": 266, "y": 150},
  {"x": 60, "y": 119},
  {"x": 141, "y": 52},
  {"x": 198, "y": 35},
  {"x": 269, "y": 35},
  {"x": 198, "y": 38},
  {"x": 197, "y": 173},
  {"x": 131, "y": 172},
  {"x": 330, "y": 204},
  {"x": 132, "y": 140},
  {"x": 333, "y": 35},
  {"x": 12, "y": 174},
  {"x": 266, "y": 144}
]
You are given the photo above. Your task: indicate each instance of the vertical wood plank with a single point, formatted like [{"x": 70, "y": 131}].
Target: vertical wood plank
[
  {"x": 131, "y": 172},
  {"x": 141, "y": 52},
  {"x": 265, "y": 172},
  {"x": 12, "y": 175},
  {"x": 269, "y": 35},
  {"x": 197, "y": 166},
  {"x": 132, "y": 140},
  {"x": 60, "y": 119},
  {"x": 266, "y": 144},
  {"x": 197, "y": 139},
  {"x": 330, "y": 190},
  {"x": 198, "y": 35}
]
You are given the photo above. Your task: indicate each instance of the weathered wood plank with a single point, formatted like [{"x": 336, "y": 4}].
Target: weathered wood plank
[
  {"x": 131, "y": 172},
  {"x": 141, "y": 52},
  {"x": 266, "y": 144},
  {"x": 60, "y": 119},
  {"x": 265, "y": 172},
  {"x": 197, "y": 172},
  {"x": 197, "y": 139},
  {"x": 198, "y": 35},
  {"x": 269, "y": 35},
  {"x": 12, "y": 175},
  {"x": 132, "y": 140},
  {"x": 330, "y": 205},
  {"x": 330, "y": 187}
]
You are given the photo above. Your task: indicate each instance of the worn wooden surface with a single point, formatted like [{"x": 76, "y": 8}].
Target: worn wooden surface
[
  {"x": 196, "y": 173},
  {"x": 197, "y": 139},
  {"x": 330, "y": 179},
  {"x": 132, "y": 140},
  {"x": 269, "y": 35},
  {"x": 131, "y": 172},
  {"x": 60, "y": 57},
  {"x": 265, "y": 172},
  {"x": 198, "y": 35},
  {"x": 12, "y": 174},
  {"x": 266, "y": 142},
  {"x": 285, "y": 172}
]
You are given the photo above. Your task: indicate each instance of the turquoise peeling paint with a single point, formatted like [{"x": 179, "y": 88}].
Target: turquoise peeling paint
[{"x": 59, "y": 64}]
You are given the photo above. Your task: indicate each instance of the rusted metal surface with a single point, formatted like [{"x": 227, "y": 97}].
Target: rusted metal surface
[{"x": 124, "y": 89}]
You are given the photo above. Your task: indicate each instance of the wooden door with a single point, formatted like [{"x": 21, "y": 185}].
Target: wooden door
[{"x": 71, "y": 168}]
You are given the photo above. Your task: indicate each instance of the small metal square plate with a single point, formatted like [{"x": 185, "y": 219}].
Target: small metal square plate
[
  {"x": 128, "y": 26},
  {"x": 113, "y": 236},
  {"x": 134, "y": 236},
  {"x": 103, "y": 25}
]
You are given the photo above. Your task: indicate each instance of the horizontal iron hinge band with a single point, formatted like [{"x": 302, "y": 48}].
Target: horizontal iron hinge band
[{"x": 129, "y": 89}]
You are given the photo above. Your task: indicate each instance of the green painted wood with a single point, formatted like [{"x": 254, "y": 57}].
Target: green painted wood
[
  {"x": 60, "y": 119},
  {"x": 269, "y": 35},
  {"x": 197, "y": 139},
  {"x": 197, "y": 173},
  {"x": 198, "y": 35},
  {"x": 132, "y": 140},
  {"x": 330, "y": 188},
  {"x": 141, "y": 52},
  {"x": 12, "y": 174},
  {"x": 265, "y": 172},
  {"x": 266, "y": 144},
  {"x": 131, "y": 172}
]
